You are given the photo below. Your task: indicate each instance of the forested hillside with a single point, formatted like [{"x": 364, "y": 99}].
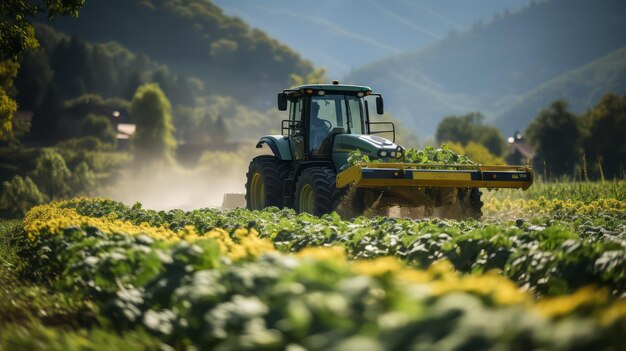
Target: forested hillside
[
  {"x": 488, "y": 67},
  {"x": 71, "y": 67},
  {"x": 68, "y": 78},
  {"x": 581, "y": 87},
  {"x": 195, "y": 38}
]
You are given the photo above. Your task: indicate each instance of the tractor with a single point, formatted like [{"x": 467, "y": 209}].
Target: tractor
[{"x": 309, "y": 169}]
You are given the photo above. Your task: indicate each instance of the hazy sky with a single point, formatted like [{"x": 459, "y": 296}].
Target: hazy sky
[{"x": 342, "y": 35}]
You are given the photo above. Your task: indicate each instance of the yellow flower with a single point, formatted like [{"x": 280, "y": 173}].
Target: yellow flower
[
  {"x": 566, "y": 304},
  {"x": 53, "y": 218},
  {"x": 323, "y": 253},
  {"x": 377, "y": 266}
]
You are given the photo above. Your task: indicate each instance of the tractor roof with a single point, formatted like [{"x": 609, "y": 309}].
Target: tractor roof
[{"x": 333, "y": 87}]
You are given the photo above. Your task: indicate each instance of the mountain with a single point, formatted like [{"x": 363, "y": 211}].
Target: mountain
[
  {"x": 342, "y": 35},
  {"x": 195, "y": 38},
  {"x": 489, "y": 67},
  {"x": 582, "y": 88}
]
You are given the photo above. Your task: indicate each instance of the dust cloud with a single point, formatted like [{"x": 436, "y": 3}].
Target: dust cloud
[{"x": 177, "y": 187}]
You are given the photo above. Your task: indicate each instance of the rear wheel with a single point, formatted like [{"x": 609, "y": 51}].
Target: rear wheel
[
  {"x": 316, "y": 191},
  {"x": 471, "y": 203},
  {"x": 476, "y": 203},
  {"x": 264, "y": 185}
]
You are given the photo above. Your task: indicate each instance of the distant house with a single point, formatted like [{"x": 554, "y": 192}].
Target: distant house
[
  {"x": 520, "y": 152},
  {"x": 116, "y": 110}
]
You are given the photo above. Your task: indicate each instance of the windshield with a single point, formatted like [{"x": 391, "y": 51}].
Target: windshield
[{"x": 335, "y": 111}]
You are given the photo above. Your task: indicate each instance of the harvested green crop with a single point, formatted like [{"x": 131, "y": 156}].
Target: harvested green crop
[{"x": 428, "y": 155}]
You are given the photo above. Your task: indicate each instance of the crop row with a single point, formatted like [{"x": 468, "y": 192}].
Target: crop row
[
  {"x": 545, "y": 255},
  {"x": 230, "y": 289}
]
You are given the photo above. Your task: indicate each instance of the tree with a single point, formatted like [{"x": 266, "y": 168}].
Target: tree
[
  {"x": 476, "y": 152},
  {"x": 34, "y": 76},
  {"x": 45, "y": 122},
  {"x": 16, "y": 35},
  {"x": 316, "y": 76},
  {"x": 52, "y": 175},
  {"x": 604, "y": 141},
  {"x": 153, "y": 140},
  {"x": 17, "y": 32},
  {"x": 133, "y": 82},
  {"x": 218, "y": 131},
  {"x": 470, "y": 127},
  {"x": 100, "y": 127},
  {"x": 555, "y": 136},
  {"x": 83, "y": 179},
  {"x": 8, "y": 106},
  {"x": 19, "y": 195}
]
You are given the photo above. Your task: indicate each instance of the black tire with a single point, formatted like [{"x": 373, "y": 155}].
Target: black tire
[
  {"x": 475, "y": 204},
  {"x": 320, "y": 184},
  {"x": 269, "y": 173},
  {"x": 470, "y": 203}
]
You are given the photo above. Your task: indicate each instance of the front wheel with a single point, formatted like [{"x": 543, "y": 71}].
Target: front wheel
[
  {"x": 316, "y": 191},
  {"x": 264, "y": 185}
]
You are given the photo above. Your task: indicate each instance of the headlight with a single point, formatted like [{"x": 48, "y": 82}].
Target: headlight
[
  {"x": 399, "y": 152},
  {"x": 392, "y": 154},
  {"x": 382, "y": 153}
]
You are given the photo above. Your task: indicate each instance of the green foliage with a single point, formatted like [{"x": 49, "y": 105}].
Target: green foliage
[
  {"x": 218, "y": 131},
  {"x": 470, "y": 127},
  {"x": 428, "y": 155},
  {"x": 19, "y": 195},
  {"x": 8, "y": 71},
  {"x": 476, "y": 152},
  {"x": 604, "y": 142},
  {"x": 100, "y": 127},
  {"x": 581, "y": 86},
  {"x": 317, "y": 76},
  {"x": 227, "y": 55},
  {"x": 52, "y": 175},
  {"x": 189, "y": 294},
  {"x": 404, "y": 136},
  {"x": 17, "y": 35},
  {"x": 83, "y": 179},
  {"x": 357, "y": 157},
  {"x": 77, "y": 145},
  {"x": 88, "y": 77},
  {"x": 568, "y": 190},
  {"x": 17, "y": 32},
  {"x": 153, "y": 140},
  {"x": 36, "y": 317},
  {"x": 46, "y": 117},
  {"x": 555, "y": 136},
  {"x": 37, "y": 336},
  {"x": 200, "y": 124},
  {"x": 469, "y": 245}
]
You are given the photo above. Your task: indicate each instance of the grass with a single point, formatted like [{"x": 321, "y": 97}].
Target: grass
[{"x": 566, "y": 190}]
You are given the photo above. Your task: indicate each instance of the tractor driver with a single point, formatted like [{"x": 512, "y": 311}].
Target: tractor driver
[{"x": 319, "y": 127}]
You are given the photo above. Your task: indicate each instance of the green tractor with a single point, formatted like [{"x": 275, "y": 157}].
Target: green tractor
[{"x": 309, "y": 169}]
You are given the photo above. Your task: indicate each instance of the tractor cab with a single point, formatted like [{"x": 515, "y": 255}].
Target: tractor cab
[{"x": 321, "y": 113}]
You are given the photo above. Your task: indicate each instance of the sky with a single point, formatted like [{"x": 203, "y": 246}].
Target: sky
[{"x": 342, "y": 35}]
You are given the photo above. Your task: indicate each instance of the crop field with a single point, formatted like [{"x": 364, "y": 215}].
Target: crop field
[{"x": 543, "y": 269}]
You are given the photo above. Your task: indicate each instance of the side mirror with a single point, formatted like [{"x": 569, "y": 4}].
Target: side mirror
[
  {"x": 380, "y": 109},
  {"x": 282, "y": 102}
]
